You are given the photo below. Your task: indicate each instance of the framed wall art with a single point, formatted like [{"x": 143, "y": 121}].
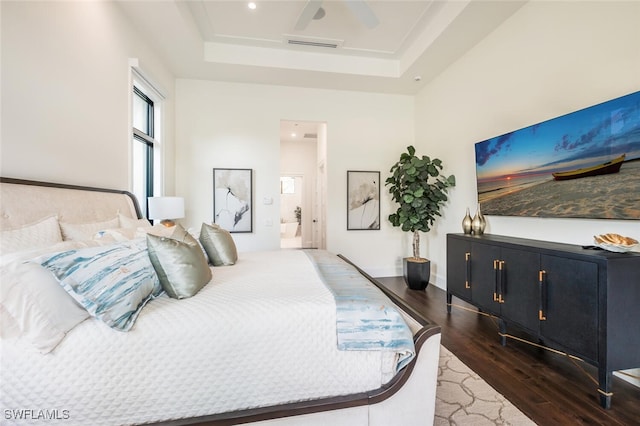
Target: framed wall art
[
  {"x": 363, "y": 200},
  {"x": 585, "y": 164},
  {"x": 232, "y": 199}
]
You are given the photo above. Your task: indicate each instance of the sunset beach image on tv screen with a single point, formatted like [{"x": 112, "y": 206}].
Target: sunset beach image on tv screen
[{"x": 585, "y": 164}]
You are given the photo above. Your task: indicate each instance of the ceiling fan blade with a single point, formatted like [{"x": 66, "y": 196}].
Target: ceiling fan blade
[
  {"x": 363, "y": 12},
  {"x": 307, "y": 14}
]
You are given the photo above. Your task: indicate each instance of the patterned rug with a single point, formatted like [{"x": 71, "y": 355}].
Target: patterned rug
[{"x": 464, "y": 398}]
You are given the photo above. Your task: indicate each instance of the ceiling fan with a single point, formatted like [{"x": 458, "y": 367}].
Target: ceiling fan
[{"x": 314, "y": 10}]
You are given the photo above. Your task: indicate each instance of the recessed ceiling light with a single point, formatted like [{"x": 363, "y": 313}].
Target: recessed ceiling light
[
  {"x": 293, "y": 135},
  {"x": 252, "y": 5}
]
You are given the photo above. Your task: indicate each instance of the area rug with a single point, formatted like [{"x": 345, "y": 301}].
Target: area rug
[{"x": 464, "y": 398}]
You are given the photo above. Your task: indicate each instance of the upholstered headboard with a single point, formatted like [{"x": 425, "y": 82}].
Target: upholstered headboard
[{"x": 23, "y": 202}]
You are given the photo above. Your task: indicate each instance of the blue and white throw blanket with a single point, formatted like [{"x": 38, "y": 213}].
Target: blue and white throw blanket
[{"x": 366, "y": 319}]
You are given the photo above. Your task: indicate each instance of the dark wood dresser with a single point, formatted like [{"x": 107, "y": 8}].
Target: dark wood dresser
[{"x": 583, "y": 302}]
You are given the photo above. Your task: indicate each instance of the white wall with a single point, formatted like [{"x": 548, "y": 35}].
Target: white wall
[
  {"x": 237, "y": 126},
  {"x": 65, "y": 115},
  {"x": 548, "y": 59},
  {"x": 66, "y": 93}
]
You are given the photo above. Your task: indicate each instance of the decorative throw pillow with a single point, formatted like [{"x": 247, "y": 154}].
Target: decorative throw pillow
[
  {"x": 113, "y": 283},
  {"x": 127, "y": 222},
  {"x": 219, "y": 245},
  {"x": 180, "y": 263},
  {"x": 35, "y": 308},
  {"x": 86, "y": 231},
  {"x": 43, "y": 233},
  {"x": 158, "y": 230}
]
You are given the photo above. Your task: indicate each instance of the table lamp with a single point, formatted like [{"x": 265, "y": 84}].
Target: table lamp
[{"x": 166, "y": 209}]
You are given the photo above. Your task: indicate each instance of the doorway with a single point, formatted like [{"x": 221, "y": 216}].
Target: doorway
[
  {"x": 301, "y": 184},
  {"x": 291, "y": 198}
]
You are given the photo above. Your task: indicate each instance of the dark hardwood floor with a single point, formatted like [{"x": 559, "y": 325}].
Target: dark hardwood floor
[{"x": 545, "y": 386}]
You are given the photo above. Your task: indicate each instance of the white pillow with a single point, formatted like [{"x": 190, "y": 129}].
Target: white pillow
[
  {"x": 86, "y": 231},
  {"x": 160, "y": 230},
  {"x": 125, "y": 234},
  {"x": 127, "y": 222},
  {"x": 43, "y": 233},
  {"x": 116, "y": 235},
  {"x": 35, "y": 308},
  {"x": 26, "y": 255}
]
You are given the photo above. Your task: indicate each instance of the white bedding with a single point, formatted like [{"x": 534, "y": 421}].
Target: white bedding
[{"x": 262, "y": 332}]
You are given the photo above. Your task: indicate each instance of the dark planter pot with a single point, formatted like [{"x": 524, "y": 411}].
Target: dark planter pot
[{"x": 416, "y": 274}]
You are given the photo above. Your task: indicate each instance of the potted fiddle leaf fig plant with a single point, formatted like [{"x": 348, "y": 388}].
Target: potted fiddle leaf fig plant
[{"x": 420, "y": 190}]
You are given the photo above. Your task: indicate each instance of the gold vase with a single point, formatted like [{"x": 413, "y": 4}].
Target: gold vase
[
  {"x": 478, "y": 223},
  {"x": 466, "y": 223}
]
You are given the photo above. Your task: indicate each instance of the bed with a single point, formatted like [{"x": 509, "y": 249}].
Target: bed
[{"x": 277, "y": 337}]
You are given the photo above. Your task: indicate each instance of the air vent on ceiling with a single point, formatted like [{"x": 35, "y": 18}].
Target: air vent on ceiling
[
  {"x": 310, "y": 136},
  {"x": 312, "y": 42}
]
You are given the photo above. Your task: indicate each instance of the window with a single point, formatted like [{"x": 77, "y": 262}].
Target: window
[{"x": 145, "y": 153}]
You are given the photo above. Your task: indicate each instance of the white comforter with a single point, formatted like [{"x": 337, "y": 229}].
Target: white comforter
[{"x": 262, "y": 332}]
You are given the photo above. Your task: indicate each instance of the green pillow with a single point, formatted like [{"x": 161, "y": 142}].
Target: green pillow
[
  {"x": 179, "y": 262},
  {"x": 219, "y": 245}
]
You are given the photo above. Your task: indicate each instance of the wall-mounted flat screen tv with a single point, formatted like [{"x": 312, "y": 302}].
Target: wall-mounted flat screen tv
[{"x": 585, "y": 164}]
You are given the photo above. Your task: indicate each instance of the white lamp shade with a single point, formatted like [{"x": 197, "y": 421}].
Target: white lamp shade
[{"x": 166, "y": 207}]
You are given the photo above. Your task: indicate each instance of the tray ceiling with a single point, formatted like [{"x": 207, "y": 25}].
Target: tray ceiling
[{"x": 379, "y": 46}]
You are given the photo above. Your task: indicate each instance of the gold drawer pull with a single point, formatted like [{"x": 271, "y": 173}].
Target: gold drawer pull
[{"x": 543, "y": 295}]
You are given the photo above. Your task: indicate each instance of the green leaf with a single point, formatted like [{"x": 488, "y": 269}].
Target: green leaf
[
  {"x": 419, "y": 189},
  {"x": 451, "y": 180}
]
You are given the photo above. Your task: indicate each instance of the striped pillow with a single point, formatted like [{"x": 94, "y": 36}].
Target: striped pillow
[{"x": 113, "y": 283}]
